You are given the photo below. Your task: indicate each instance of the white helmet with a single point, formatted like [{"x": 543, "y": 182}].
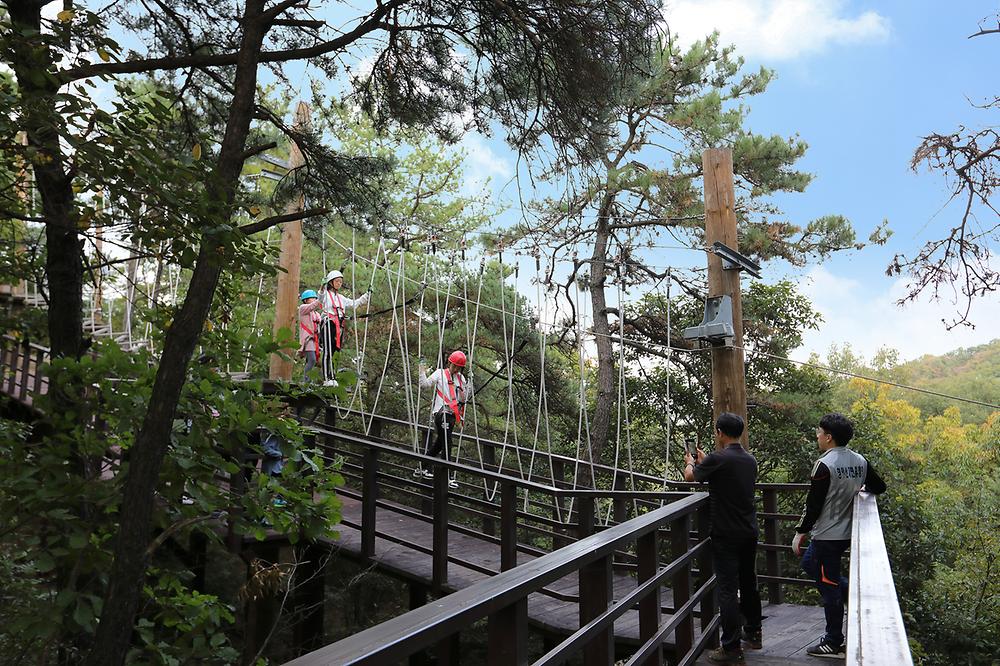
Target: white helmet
[{"x": 333, "y": 275}]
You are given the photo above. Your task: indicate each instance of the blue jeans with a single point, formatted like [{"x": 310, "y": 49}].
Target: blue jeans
[
  {"x": 822, "y": 562},
  {"x": 272, "y": 463},
  {"x": 310, "y": 357}
]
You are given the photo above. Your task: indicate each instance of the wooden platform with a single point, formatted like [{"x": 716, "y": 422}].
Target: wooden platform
[{"x": 789, "y": 629}]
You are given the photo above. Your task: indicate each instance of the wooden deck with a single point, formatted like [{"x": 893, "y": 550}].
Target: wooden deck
[{"x": 788, "y": 629}]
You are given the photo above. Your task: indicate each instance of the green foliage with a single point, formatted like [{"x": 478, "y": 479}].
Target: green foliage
[
  {"x": 786, "y": 400},
  {"x": 60, "y": 494},
  {"x": 940, "y": 514},
  {"x": 973, "y": 373}
]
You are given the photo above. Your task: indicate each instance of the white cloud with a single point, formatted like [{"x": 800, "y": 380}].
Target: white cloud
[
  {"x": 772, "y": 30},
  {"x": 482, "y": 164},
  {"x": 867, "y": 317}
]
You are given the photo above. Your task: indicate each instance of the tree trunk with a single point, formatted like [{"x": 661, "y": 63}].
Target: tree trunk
[
  {"x": 600, "y": 425},
  {"x": 64, "y": 250},
  {"x": 152, "y": 441}
]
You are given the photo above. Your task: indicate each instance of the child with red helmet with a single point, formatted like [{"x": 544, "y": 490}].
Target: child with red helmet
[{"x": 451, "y": 391}]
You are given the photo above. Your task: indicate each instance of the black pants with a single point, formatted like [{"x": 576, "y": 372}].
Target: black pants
[
  {"x": 444, "y": 424},
  {"x": 328, "y": 343},
  {"x": 735, "y": 561}
]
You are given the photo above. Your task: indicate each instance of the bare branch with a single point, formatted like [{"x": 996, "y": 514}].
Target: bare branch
[{"x": 255, "y": 227}]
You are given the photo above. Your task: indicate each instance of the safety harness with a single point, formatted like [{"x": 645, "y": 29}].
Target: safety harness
[
  {"x": 451, "y": 400},
  {"x": 337, "y": 313}
]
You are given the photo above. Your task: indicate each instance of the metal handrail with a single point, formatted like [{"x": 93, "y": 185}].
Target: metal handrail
[{"x": 875, "y": 632}]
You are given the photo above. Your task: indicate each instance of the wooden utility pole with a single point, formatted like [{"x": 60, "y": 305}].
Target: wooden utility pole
[
  {"x": 290, "y": 258},
  {"x": 729, "y": 388}
]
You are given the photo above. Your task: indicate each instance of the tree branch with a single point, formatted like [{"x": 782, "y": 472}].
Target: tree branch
[
  {"x": 254, "y": 227},
  {"x": 226, "y": 59}
]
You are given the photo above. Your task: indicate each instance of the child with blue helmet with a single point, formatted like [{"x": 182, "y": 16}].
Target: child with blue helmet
[{"x": 309, "y": 323}]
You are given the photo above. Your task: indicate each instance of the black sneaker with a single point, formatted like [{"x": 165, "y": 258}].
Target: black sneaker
[
  {"x": 723, "y": 656},
  {"x": 752, "y": 639},
  {"x": 828, "y": 650}
]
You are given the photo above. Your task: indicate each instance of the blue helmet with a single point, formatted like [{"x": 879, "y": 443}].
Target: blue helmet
[{"x": 308, "y": 293}]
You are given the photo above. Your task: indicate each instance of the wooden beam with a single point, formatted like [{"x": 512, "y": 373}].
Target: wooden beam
[
  {"x": 729, "y": 391},
  {"x": 290, "y": 258}
]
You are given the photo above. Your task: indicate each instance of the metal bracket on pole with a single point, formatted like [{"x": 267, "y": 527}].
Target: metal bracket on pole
[
  {"x": 734, "y": 261},
  {"x": 717, "y": 325}
]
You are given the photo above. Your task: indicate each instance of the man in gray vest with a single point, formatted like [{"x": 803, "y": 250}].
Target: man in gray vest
[{"x": 836, "y": 478}]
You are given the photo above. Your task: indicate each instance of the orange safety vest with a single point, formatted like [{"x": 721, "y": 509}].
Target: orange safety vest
[
  {"x": 451, "y": 401},
  {"x": 336, "y": 315}
]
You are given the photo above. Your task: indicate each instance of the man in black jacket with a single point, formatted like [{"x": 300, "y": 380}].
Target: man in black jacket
[{"x": 731, "y": 473}]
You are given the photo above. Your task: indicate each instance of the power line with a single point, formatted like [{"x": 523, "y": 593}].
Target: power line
[
  {"x": 845, "y": 373},
  {"x": 884, "y": 381}
]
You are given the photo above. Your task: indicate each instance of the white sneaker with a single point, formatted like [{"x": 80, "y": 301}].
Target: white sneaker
[
  {"x": 427, "y": 474},
  {"x": 417, "y": 472},
  {"x": 330, "y": 382},
  {"x": 453, "y": 484}
]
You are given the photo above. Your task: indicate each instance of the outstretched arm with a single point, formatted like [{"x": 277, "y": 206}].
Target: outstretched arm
[{"x": 426, "y": 381}]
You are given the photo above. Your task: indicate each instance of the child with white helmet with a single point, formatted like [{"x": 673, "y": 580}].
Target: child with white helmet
[
  {"x": 451, "y": 391},
  {"x": 331, "y": 331},
  {"x": 309, "y": 323}
]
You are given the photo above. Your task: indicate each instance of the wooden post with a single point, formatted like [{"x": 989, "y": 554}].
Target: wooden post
[
  {"x": 595, "y": 594},
  {"x": 585, "y": 517},
  {"x": 729, "y": 391},
  {"x": 508, "y": 526},
  {"x": 439, "y": 564},
  {"x": 705, "y": 571},
  {"x": 262, "y": 611},
  {"x": 369, "y": 496},
  {"x": 681, "y": 585},
  {"x": 647, "y": 550},
  {"x": 774, "y": 592},
  {"x": 308, "y": 597},
  {"x": 286, "y": 303},
  {"x": 507, "y": 631},
  {"x": 417, "y": 598}
]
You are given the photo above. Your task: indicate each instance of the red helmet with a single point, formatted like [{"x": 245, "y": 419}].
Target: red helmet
[{"x": 458, "y": 358}]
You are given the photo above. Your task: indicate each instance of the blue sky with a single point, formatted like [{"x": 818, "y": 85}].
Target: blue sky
[{"x": 861, "y": 82}]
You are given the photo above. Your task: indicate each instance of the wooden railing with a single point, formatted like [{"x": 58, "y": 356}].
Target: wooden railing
[
  {"x": 21, "y": 362},
  {"x": 503, "y": 600},
  {"x": 521, "y": 516},
  {"x": 621, "y": 504},
  {"x": 875, "y": 632}
]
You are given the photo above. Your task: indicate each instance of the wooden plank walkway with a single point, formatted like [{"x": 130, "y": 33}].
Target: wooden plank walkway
[{"x": 788, "y": 630}]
